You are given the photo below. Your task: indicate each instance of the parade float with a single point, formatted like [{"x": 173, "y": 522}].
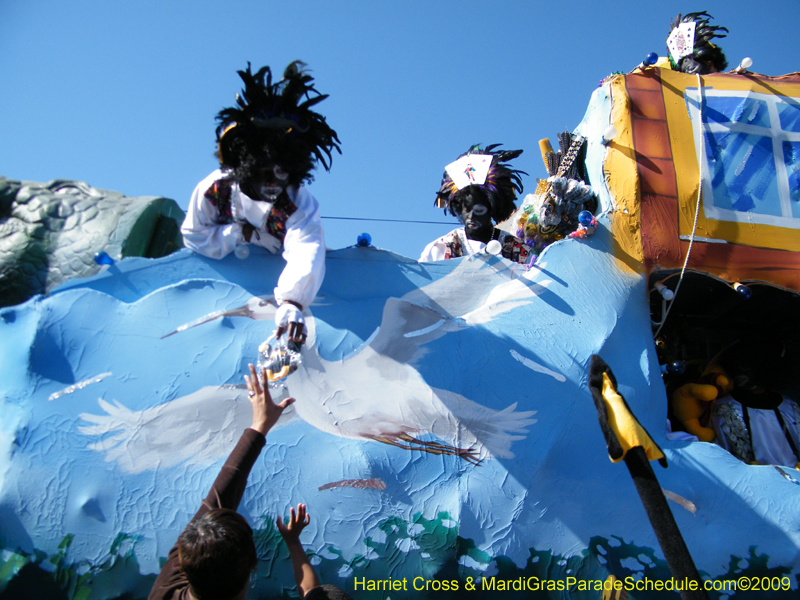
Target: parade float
[{"x": 444, "y": 433}]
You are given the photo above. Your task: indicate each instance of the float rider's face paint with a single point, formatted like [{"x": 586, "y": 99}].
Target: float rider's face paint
[
  {"x": 271, "y": 182},
  {"x": 476, "y": 215}
]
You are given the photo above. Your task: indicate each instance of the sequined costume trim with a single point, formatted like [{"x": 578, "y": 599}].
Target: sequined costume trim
[
  {"x": 515, "y": 249},
  {"x": 454, "y": 247},
  {"x": 735, "y": 432},
  {"x": 219, "y": 195},
  {"x": 282, "y": 209},
  {"x": 512, "y": 248}
]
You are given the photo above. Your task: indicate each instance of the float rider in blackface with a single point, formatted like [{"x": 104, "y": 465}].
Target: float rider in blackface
[
  {"x": 690, "y": 47},
  {"x": 267, "y": 146},
  {"x": 480, "y": 189}
]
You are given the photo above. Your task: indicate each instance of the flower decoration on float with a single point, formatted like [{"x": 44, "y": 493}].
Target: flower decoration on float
[
  {"x": 587, "y": 224},
  {"x": 610, "y": 77}
]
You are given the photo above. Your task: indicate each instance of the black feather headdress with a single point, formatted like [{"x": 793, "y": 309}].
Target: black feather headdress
[
  {"x": 501, "y": 185},
  {"x": 273, "y": 122},
  {"x": 704, "y": 51}
]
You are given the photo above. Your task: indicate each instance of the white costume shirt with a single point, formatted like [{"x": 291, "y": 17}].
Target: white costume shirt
[
  {"x": 206, "y": 232},
  {"x": 442, "y": 249},
  {"x": 456, "y": 243}
]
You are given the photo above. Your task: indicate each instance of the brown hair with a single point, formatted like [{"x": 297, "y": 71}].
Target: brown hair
[{"x": 217, "y": 554}]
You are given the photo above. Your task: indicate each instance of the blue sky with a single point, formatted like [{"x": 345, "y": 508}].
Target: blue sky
[{"x": 123, "y": 94}]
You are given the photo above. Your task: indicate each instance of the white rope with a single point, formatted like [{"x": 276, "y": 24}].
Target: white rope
[
  {"x": 663, "y": 312},
  {"x": 700, "y": 161}
]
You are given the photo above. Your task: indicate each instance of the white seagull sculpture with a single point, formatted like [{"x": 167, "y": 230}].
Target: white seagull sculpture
[{"x": 375, "y": 393}]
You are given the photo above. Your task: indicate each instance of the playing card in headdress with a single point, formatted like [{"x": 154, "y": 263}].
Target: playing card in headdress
[
  {"x": 690, "y": 47},
  {"x": 489, "y": 170}
]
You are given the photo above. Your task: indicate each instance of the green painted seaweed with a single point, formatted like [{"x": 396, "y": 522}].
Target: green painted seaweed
[
  {"x": 35, "y": 575},
  {"x": 426, "y": 552}
]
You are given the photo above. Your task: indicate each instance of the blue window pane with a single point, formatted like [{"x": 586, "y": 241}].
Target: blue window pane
[
  {"x": 791, "y": 156},
  {"x": 742, "y": 172},
  {"x": 750, "y": 141},
  {"x": 790, "y": 116},
  {"x": 729, "y": 109}
]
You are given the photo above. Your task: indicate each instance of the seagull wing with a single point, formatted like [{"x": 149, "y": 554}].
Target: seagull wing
[{"x": 198, "y": 429}]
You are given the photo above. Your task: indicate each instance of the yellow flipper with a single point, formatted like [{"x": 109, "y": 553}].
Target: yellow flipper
[{"x": 627, "y": 429}]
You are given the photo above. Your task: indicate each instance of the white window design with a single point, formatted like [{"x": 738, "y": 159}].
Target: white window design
[{"x": 751, "y": 155}]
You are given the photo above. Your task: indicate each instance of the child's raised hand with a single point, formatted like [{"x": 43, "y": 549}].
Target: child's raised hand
[{"x": 297, "y": 522}]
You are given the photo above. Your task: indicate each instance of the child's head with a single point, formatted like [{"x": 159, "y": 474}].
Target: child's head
[{"x": 217, "y": 553}]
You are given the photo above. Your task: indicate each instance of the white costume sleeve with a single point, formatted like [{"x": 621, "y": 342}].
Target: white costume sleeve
[
  {"x": 303, "y": 251},
  {"x": 438, "y": 249},
  {"x": 200, "y": 229},
  {"x": 434, "y": 251}
]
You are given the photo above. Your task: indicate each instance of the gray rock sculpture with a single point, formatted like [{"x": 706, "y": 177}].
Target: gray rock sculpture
[{"x": 50, "y": 233}]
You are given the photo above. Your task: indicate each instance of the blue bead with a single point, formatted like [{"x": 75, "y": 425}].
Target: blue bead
[
  {"x": 678, "y": 367},
  {"x": 364, "y": 240},
  {"x": 651, "y": 59},
  {"x": 101, "y": 258},
  {"x": 674, "y": 368},
  {"x": 585, "y": 218},
  {"x": 744, "y": 291}
]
